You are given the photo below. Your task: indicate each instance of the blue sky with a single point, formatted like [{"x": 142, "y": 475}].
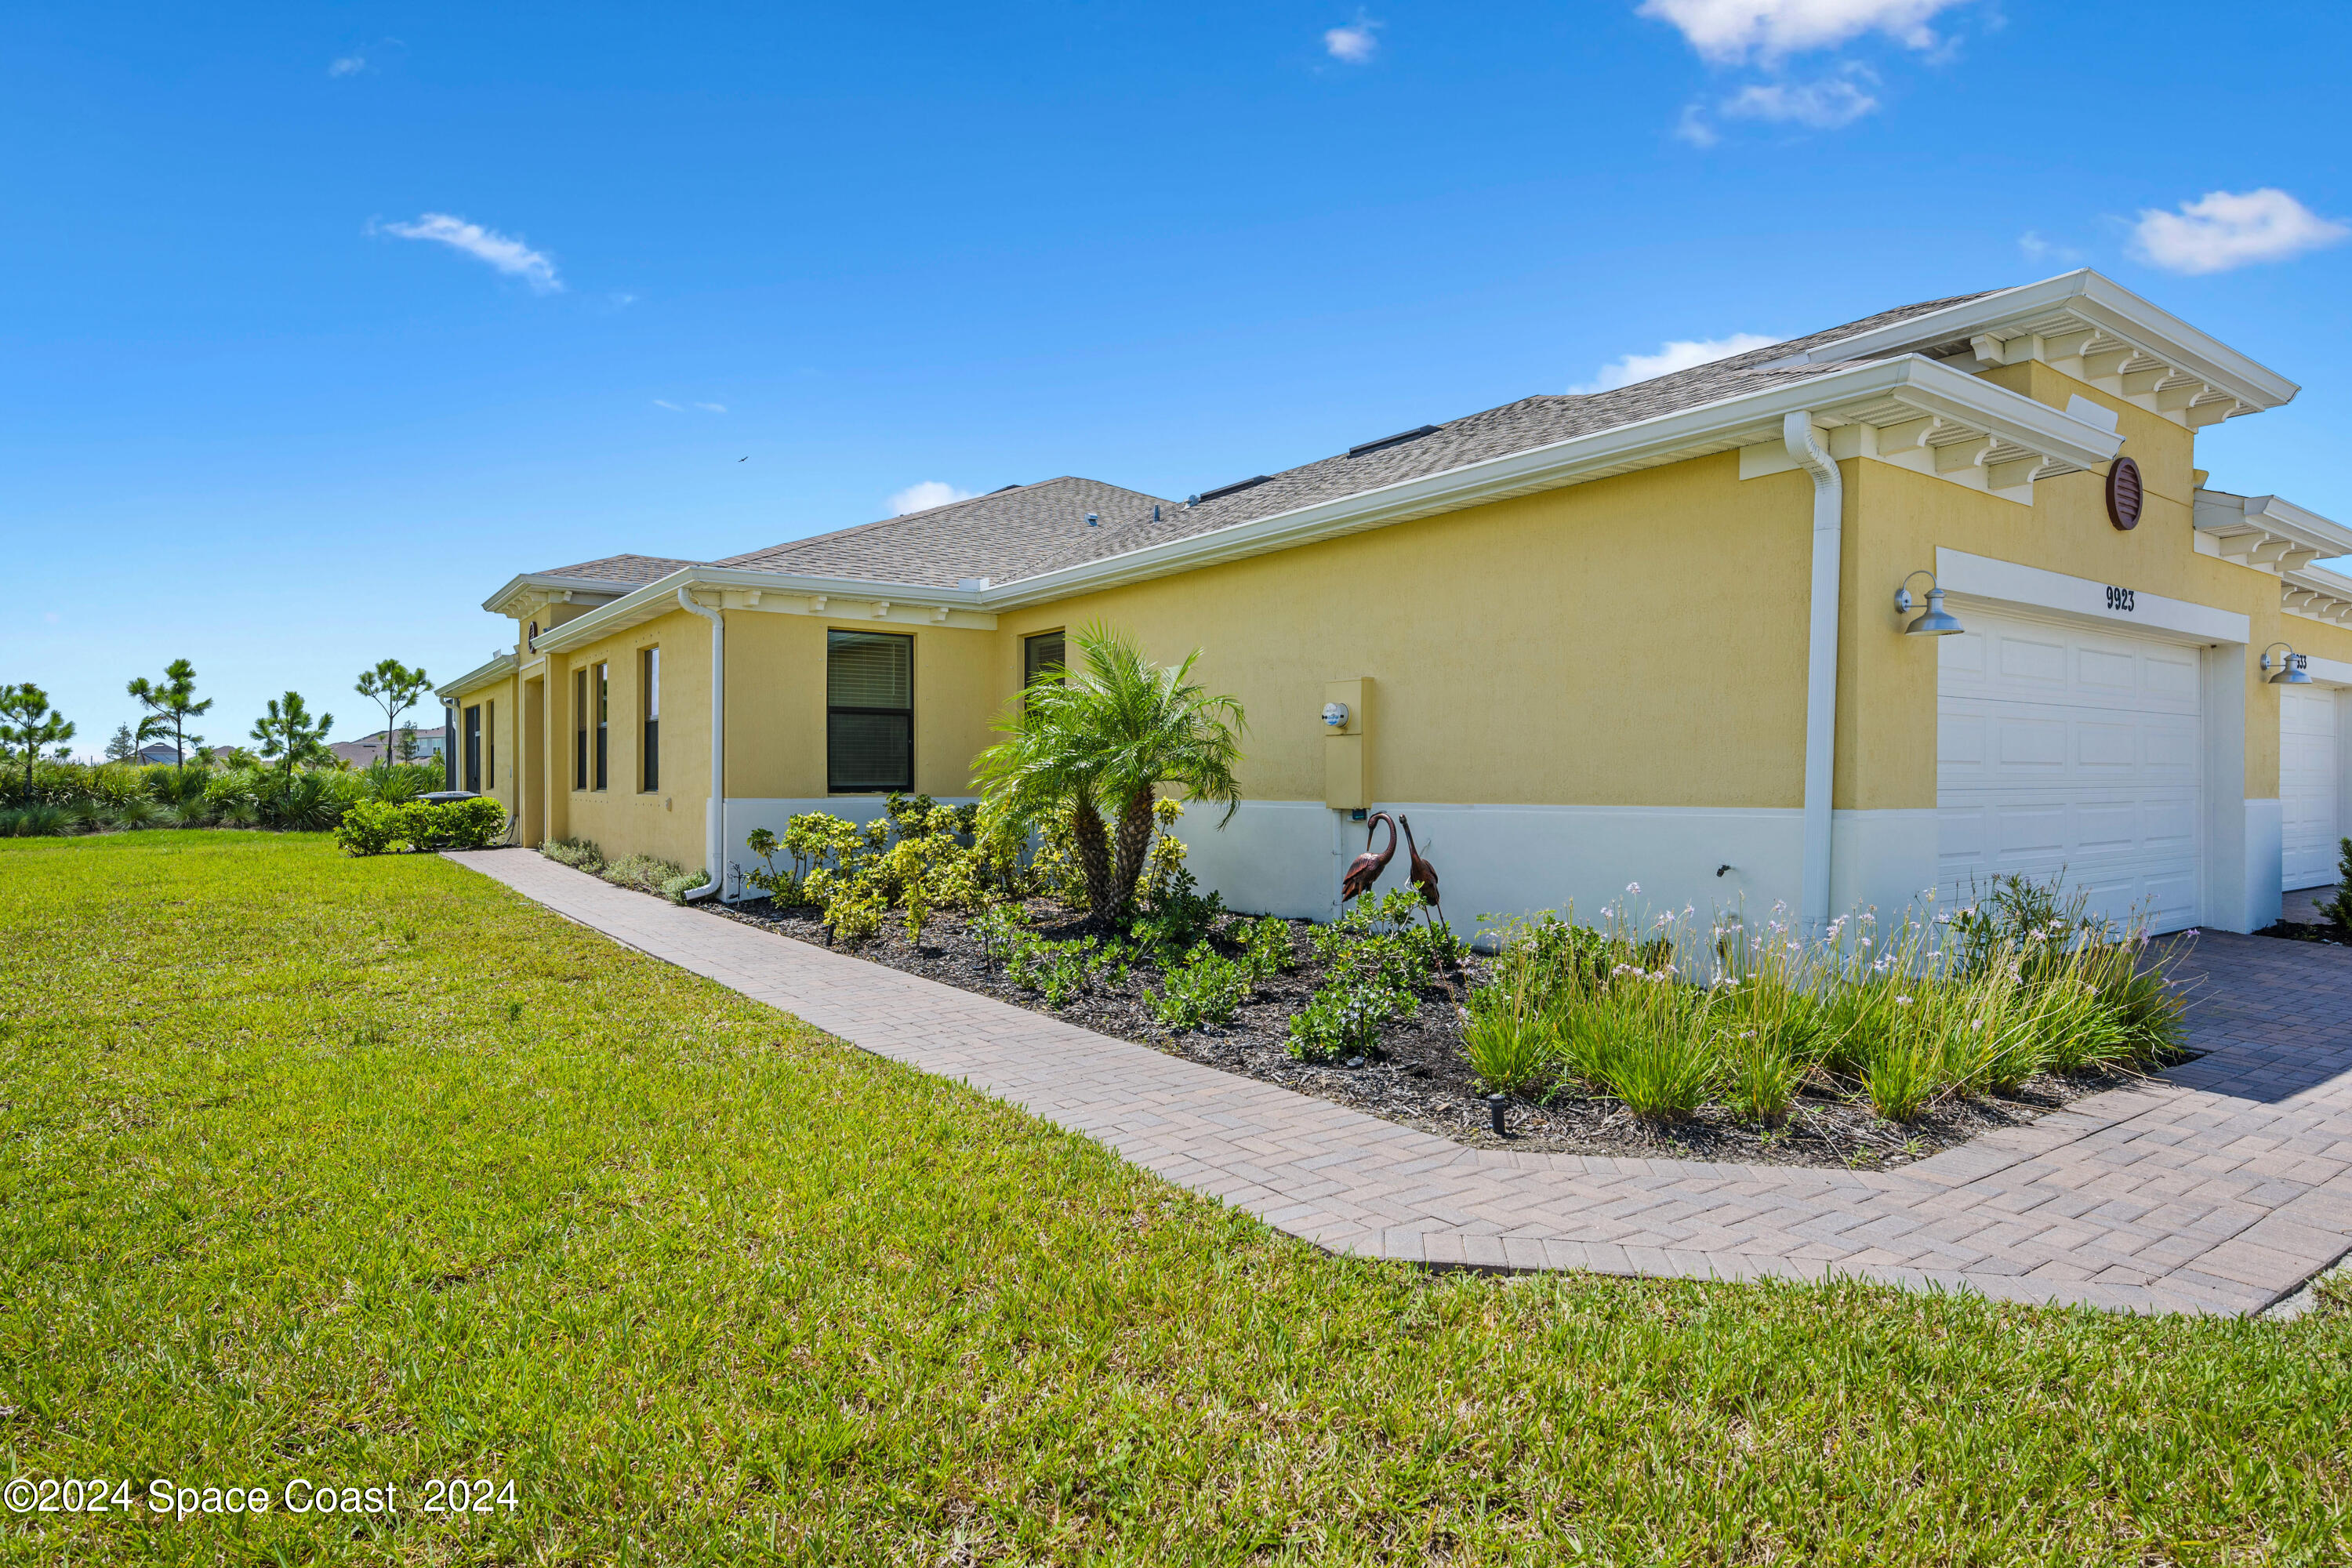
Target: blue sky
[{"x": 326, "y": 319}]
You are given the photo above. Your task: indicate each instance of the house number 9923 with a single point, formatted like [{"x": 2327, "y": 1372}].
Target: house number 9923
[{"x": 2121, "y": 599}]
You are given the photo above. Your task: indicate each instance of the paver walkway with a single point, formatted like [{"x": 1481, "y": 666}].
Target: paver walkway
[{"x": 2219, "y": 1187}]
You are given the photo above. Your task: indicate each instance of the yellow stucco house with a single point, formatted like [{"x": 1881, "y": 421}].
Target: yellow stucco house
[{"x": 1648, "y": 634}]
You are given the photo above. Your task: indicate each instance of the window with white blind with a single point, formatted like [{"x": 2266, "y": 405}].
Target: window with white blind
[{"x": 869, "y": 717}]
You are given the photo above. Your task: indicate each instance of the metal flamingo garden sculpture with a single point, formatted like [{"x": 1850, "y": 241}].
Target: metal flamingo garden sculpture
[{"x": 1366, "y": 869}]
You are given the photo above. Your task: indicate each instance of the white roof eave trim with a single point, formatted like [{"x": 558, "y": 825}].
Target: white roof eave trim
[
  {"x": 2097, "y": 300},
  {"x": 503, "y": 666}
]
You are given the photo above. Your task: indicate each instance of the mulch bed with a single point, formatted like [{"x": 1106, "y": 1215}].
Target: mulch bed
[
  {"x": 2299, "y": 930},
  {"x": 1420, "y": 1077}
]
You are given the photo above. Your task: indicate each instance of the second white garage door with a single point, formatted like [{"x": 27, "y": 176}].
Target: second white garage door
[
  {"x": 2309, "y": 816},
  {"x": 2065, "y": 749}
]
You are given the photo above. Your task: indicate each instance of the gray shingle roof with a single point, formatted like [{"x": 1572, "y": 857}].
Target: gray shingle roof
[
  {"x": 630, "y": 569},
  {"x": 1029, "y": 530},
  {"x": 1000, "y": 536}
]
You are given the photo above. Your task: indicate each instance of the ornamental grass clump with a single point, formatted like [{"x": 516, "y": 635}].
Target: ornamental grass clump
[{"x": 1668, "y": 1014}]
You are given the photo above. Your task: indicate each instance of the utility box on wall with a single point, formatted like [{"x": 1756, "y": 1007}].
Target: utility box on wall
[{"x": 1347, "y": 765}]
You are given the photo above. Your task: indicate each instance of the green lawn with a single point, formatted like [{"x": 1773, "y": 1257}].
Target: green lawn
[{"x": 367, "y": 1172}]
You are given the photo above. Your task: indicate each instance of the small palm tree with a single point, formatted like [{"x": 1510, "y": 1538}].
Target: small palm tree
[
  {"x": 1108, "y": 733},
  {"x": 287, "y": 730}
]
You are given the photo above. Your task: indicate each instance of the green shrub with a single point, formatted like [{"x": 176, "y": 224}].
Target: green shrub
[
  {"x": 1206, "y": 988},
  {"x": 1266, "y": 950},
  {"x": 382, "y": 827},
  {"x": 999, "y": 931},
  {"x": 646, "y": 873},
  {"x": 1343, "y": 1019},
  {"x": 580, "y": 854}
]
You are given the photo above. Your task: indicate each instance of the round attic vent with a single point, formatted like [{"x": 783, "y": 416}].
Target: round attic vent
[{"x": 2122, "y": 493}]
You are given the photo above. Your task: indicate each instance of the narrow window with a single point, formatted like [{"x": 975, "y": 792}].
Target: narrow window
[
  {"x": 474, "y": 749},
  {"x": 649, "y": 684},
  {"x": 602, "y": 699},
  {"x": 869, "y": 720},
  {"x": 579, "y": 729},
  {"x": 1038, "y": 654},
  {"x": 490, "y": 745}
]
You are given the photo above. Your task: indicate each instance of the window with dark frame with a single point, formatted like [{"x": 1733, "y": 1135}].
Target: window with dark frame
[
  {"x": 491, "y": 744},
  {"x": 579, "y": 729},
  {"x": 649, "y": 701},
  {"x": 1038, "y": 654},
  {"x": 474, "y": 749},
  {"x": 869, "y": 715},
  {"x": 601, "y": 678}
]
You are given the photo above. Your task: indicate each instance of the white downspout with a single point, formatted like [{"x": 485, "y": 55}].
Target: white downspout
[
  {"x": 714, "y": 810},
  {"x": 1821, "y": 660}
]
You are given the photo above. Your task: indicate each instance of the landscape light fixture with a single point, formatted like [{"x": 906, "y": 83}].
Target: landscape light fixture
[
  {"x": 2291, "y": 667},
  {"x": 1496, "y": 1104},
  {"x": 1935, "y": 623}
]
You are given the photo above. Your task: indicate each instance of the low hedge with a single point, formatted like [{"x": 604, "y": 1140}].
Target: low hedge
[{"x": 385, "y": 826}]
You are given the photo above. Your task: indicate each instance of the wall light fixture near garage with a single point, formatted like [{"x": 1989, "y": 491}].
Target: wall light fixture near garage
[
  {"x": 2291, "y": 667},
  {"x": 1935, "y": 623}
]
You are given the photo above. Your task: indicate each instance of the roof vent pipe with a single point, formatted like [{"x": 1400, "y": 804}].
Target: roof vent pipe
[
  {"x": 714, "y": 810},
  {"x": 1821, "y": 660}
]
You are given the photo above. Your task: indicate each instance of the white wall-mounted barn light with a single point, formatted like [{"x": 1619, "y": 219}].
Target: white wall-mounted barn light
[
  {"x": 1935, "y": 623},
  {"x": 2291, "y": 667},
  {"x": 1335, "y": 714}
]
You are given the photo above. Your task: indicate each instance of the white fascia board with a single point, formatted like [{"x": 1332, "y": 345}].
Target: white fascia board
[
  {"x": 497, "y": 669},
  {"x": 2216, "y": 509},
  {"x": 1912, "y": 380},
  {"x": 2098, "y": 300},
  {"x": 660, "y": 597}
]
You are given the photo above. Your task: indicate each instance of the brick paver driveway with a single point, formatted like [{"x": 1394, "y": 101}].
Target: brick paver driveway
[{"x": 2217, "y": 1188}]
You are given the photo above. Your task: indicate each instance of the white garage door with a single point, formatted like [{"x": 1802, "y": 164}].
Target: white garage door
[
  {"x": 2307, "y": 810},
  {"x": 2061, "y": 749}
]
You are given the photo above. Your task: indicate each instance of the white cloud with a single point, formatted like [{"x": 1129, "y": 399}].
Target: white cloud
[
  {"x": 346, "y": 65},
  {"x": 2222, "y": 229},
  {"x": 1680, "y": 354},
  {"x": 1693, "y": 127},
  {"x": 665, "y": 402},
  {"x": 925, "y": 496},
  {"x": 509, "y": 256},
  {"x": 1731, "y": 30},
  {"x": 2037, "y": 248},
  {"x": 1824, "y": 105},
  {"x": 1356, "y": 43},
  {"x": 712, "y": 407}
]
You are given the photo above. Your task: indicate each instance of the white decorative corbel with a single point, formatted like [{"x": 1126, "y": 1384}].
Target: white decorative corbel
[{"x": 881, "y": 609}]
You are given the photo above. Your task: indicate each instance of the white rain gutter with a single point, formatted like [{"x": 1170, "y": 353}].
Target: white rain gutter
[
  {"x": 1821, "y": 660},
  {"x": 714, "y": 810}
]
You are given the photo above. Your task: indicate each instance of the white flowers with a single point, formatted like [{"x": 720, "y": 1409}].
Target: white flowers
[{"x": 1632, "y": 887}]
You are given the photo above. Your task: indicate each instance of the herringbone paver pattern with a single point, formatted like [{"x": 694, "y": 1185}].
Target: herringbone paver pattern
[{"x": 2216, "y": 1188}]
